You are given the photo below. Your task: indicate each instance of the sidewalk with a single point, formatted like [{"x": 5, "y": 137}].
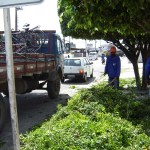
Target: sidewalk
[{"x": 127, "y": 69}]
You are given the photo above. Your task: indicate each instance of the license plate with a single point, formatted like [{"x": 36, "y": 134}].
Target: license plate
[{"x": 71, "y": 76}]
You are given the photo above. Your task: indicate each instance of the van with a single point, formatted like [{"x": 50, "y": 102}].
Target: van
[
  {"x": 93, "y": 55},
  {"x": 78, "y": 67}
]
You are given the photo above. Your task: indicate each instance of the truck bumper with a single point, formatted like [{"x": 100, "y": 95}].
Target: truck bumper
[{"x": 69, "y": 76}]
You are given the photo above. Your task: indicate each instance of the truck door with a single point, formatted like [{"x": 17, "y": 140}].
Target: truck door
[{"x": 60, "y": 56}]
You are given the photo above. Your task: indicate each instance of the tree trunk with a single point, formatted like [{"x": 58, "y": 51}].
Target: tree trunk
[
  {"x": 132, "y": 54},
  {"x": 144, "y": 83},
  {"x": 137, "y": 75}
]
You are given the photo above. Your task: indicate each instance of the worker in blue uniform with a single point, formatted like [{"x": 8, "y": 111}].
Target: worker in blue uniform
[
  {"x": 113, "y": 68},
  {"x": 103, "y": 58},
  {"x": 147, "y": 74},
  {"x": 147, "y": 70}
]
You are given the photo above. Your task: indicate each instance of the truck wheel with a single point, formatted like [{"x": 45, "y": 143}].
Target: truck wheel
[
  {"x": 2, "y": 113},
  {"x": 53, "y": 87}
]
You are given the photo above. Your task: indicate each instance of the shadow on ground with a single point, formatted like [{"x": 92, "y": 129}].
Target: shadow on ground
[
  {"x": 75, "y": 81},
  {"x": 33, "y": 109}
]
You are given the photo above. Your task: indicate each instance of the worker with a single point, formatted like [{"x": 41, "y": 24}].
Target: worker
[
  {"x": 113, "y": 67},
  {"x": 103, "y": 58},
  {"x": 147, "y": 73}
]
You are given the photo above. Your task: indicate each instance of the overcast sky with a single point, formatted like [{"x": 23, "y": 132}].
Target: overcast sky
[{"x": 43, "y": 14}]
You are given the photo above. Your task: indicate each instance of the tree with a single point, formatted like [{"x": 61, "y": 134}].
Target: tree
[{"x": 111, "y": 20}]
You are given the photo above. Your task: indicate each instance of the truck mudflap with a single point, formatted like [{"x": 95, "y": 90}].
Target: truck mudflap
[{"x": 2, "y": 113}]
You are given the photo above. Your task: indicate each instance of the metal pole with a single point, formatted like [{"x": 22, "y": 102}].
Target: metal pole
[
  {"x": 95, "y": 45},
  {"x": 69, "y": 44},
  {"x": 16, "y": 19},
  {"x": 86, "y": 48},
  {"x": 10, "y": 78}
]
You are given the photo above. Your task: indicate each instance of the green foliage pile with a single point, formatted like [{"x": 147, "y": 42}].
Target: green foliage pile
[{"x": 95, "y": 118}]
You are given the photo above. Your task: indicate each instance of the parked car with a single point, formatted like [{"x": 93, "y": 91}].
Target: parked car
[
  {"x": 78, "y": 67},
  {"x": 93, "y": 55}
]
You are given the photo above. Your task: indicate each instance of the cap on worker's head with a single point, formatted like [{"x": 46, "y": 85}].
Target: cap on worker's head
[{"x": 113, "y": 49}]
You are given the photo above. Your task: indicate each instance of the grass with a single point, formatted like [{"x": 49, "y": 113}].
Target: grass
[{"x": 72, "y": 87}]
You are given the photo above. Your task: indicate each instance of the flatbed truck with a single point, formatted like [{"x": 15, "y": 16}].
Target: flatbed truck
[{"x": 33, "y": 70}]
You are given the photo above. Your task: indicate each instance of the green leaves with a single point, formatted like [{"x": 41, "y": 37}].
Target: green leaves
[
  {"x": 93, "y": 119},
  {"x": 125, "y": 17}
]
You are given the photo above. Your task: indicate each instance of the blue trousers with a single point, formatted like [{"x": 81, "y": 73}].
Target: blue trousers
[{"x": 114, "y": 82}]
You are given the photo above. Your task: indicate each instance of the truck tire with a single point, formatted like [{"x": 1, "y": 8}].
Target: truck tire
[
  {"x": 2, "y": 113},
  {"x": 53, "y": 87}
]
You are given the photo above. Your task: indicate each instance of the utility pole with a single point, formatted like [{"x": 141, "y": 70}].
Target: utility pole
[
  {"x": 16, "y": 17},
  {"x": 95, "y": 44}
]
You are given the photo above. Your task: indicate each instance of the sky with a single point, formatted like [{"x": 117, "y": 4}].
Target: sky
[{"x": 43, "y": 14}]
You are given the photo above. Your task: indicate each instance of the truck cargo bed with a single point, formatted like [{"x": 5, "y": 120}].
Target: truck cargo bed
[{"x": 27, "y": 64}]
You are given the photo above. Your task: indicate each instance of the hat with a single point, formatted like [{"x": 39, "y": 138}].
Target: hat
[{"x": 113, "y": 49}]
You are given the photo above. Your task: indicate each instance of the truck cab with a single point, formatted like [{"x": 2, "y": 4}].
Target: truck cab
[{"x": 54, "y": 45}]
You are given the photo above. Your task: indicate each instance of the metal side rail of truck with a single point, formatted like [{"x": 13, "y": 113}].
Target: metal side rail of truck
[{"x": 33, "y": 69}]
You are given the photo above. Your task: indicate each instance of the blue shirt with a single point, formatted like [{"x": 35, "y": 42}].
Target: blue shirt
[
  {"x": 147, "y": 68},
  {"x": 113, "y": 66},
  {"x": 103, "y": 56}
]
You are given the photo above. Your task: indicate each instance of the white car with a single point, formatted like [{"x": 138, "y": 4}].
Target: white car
[{"x": 78, "y": 67}]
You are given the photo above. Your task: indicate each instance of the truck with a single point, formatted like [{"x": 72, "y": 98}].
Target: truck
[{"x": 41, "y": 68}]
